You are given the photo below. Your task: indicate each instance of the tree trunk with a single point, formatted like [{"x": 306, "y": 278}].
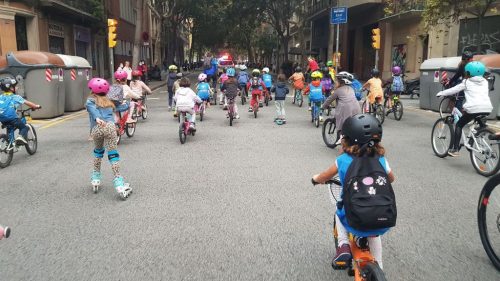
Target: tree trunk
[{"x": 137, "y": 36}]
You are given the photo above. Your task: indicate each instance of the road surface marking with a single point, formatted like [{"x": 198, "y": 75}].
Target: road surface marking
[{"x": 64, "y": 119}]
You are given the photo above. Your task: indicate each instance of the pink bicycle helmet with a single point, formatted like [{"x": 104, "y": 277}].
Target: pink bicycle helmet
[
  {"x": 120, "y": 75},
  {"x": 396, "y": 70},
  {"x": 202, "y": 77},
  {"x": 98, "y": 86}
]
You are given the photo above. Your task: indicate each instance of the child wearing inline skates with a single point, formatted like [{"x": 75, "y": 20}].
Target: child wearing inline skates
[
  {"x": 102, "y": 122},
  {"x": 185, "y": 98},
  {"x": 362, "y": 148}
]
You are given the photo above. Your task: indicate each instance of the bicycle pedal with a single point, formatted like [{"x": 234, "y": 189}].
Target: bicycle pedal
[{"x": 340, "y": 265}]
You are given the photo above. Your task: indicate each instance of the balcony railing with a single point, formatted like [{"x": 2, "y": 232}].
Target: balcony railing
[
  {"x": 399, "y": 7},
  {"x": 313, "y": 7}
]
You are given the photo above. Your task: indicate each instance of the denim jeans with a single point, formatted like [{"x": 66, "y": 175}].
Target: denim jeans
[{"x": 18, "y": 124}]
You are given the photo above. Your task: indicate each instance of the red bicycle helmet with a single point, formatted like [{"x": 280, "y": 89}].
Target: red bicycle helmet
[{"x": 136, "y": 73}]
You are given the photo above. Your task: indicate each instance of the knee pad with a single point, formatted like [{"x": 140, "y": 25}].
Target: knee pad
[
  {"x": 113, "y": 156},
  {"x": 99, "y": 152}
]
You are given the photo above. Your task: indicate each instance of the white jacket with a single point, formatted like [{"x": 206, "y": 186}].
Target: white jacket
[
  {"x": 476, "y": 91},
  {"x": 185, "y": 97}
]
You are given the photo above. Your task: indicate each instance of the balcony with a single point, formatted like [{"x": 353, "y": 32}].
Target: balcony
[
  {"x": 404, "y": 9},
  {"x": 79, "y": 8},
  {"x": 317, "y": 7}
]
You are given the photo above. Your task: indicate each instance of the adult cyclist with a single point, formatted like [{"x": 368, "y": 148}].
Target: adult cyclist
[{"x": 459, "y": 76}]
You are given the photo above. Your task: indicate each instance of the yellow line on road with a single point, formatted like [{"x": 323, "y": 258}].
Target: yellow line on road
[{"x": 72, "y": 116}]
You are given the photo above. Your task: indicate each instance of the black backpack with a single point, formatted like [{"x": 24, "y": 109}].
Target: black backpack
[
  {"x": 256, "y": 82},
  {"x": 368, "y": 197}
]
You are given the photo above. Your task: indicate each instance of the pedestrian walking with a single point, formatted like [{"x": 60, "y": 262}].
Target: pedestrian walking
[
  {"x": 128, "y": 69},
  {"x": 102, "y": 122},
  {"x": 280, "y": 91}
]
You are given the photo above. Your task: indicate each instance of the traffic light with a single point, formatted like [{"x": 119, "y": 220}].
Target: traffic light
[
  {"x": 112, "y": 23},
  {"x": 376, "y": 38}
]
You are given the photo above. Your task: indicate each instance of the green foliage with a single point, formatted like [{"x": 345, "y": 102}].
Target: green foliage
[{"x": 97, "y": 7}]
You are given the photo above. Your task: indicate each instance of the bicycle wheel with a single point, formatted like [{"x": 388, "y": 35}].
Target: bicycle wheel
[
  {"x": 266, "y": 101},
  {"x": 255, "y": 111},
  {"x": 301, "y": 99},
  {"x": 329, "y": 133},
  {"x": 202, "y": 112},
  {"x": 32, "y": 144},
  {"x": 182, "y": 135},
  {"x": 398, "y": 110},
  {"x": 484, "y": 154},
  {"x": 294, "y": 97},
  {"x": 243, "y": 99},
  {"x": 363, "y": 107},
  {"x": 442, "y": 137},
  {"x": 380, "y": 113},
  {"x": 144, "y": 114},
  {"x": 372, "y": 272},
  {"x": 5, "y": 156},
  {"x": 445, "y": 106},
  {"x": 130, "y": 129},
  {"x": 488, "y": 219}
]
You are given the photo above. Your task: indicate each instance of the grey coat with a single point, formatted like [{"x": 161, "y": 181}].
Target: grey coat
[{"x": 347, "y": 105}]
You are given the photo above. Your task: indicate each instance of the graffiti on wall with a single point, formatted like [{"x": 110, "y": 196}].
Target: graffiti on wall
[
  {"x": 469, "y": 37},
  {"x": 399, "y": 56}
]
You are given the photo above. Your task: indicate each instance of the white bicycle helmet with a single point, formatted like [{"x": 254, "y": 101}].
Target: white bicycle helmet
[
  {"x": 265, "y": 70},
  {"x": 202, "y": 77},
  {"x": 243, "y": 67},
  {"x": 346, "y": 77}
]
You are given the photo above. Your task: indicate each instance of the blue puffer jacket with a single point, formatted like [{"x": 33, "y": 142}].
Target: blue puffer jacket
[{"x": 280, "y": 90}]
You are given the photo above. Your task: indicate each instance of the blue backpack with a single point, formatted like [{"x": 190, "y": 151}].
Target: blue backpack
[
  {"x": 243, "y": 78},
  {"x": 203, "y": 90},
  {"x": 7, "y": 108},
  {"x": 268, "y": 80},
  {"x": 397, "y": 84},
  {"x": 358, "y": 89}
]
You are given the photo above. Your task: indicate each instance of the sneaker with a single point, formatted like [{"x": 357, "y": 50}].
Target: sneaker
[
  {"x": 169, "y": 108},
  {"x": 237, "y": 116},
  {"x": 192, "y": 127},
  {"x": 342, "y": 257},
  {"x": 321, "y": 119},
  {"x": 176, "y": 114},
  {"x": 21, "y": 140},
  {"x": 250, "y": 109},
  {"x": 309, "y": 109},
  {"x": 453, "y": 153}
]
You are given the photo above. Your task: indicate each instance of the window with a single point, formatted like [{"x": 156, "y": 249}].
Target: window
[
  {"x": 127, "y": 10},
  {"x": 21, "y": 34}
]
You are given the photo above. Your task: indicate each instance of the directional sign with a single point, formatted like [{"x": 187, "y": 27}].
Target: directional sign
[{"x": 338, "y": 15}]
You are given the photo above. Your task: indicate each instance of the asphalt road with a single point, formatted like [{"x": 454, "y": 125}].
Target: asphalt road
[{"x": 233, "y": 203}]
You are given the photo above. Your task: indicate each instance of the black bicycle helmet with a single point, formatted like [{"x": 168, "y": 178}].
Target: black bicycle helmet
[
  {"x": 8, "y": 84},
  {"x": 467, "y": 55},
  {"x": 298, "y": 69},
  {"x": 375, "y": 72},
  {"x": 362, "y": 128}
]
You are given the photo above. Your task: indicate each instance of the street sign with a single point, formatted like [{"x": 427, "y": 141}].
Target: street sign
[{"x": 338, "y": 15}]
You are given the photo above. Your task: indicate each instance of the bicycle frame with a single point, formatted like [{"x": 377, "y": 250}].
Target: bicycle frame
[
  {"x": 122, "y": 121},
  {"x": 360, "y": 256},
  {"x": 185, "y": 123},
  {"x": 298, "y": 95},
  {"x": 471, "y": 135},
  {"x": 11, "y": 131}
]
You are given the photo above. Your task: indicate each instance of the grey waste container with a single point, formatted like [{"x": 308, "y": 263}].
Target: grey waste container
[
  {"x": 492, "y": 63},
  {"x": 41, "y": 79},
  {"x": 431, "y": 72},
  {"x": 76, "y": 75}
]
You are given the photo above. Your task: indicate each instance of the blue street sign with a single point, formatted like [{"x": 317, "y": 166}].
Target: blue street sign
[{"x": 338, "y": 15}]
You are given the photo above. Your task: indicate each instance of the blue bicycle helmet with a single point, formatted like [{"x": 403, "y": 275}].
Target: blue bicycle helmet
[
  {"x": 231, "y": 72},
  {"x": 475, "y": 68}
]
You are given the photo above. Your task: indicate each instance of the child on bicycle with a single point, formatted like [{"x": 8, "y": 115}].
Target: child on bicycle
[
  {"x": 256, "y": 87},
  {"x": 9, "y": 102},
  {"x": 185, "y": 98},
  {"x": 327, "y": 81},
  {"x": 297, "y": 79},
  {"x": 243, "y": 79},
  {"x": 122, "y": 102},
  {"x": 102, "y": 122},
  {"x": 230, "y": 89},
  {"x": 138, "y": 86},
  {"x": 397, "y": 86},
  {"x": 477, "y": 100},
  {"x": 280, "y": 91},
  {"x": 374, "y": 85},
  {"x": 223, "y": 78},
  {"x": 268, "y": 81},
  {"x": 203, "y": 89},
  {"x": 362, "y": 136},
  {"x": 316, "y": 92}
]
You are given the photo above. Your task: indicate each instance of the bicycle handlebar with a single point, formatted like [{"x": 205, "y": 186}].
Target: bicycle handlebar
[{"x": 335, "y": 180}]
